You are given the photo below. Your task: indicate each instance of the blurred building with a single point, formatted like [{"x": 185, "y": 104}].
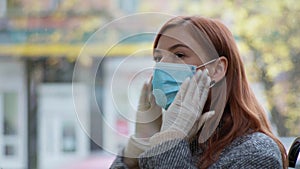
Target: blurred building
[{"x": 39, "y": 44}]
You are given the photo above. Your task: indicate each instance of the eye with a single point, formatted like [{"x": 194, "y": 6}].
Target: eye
[
  {"x": 157, "y": 58},
  {"x": 180, "y": 55}
]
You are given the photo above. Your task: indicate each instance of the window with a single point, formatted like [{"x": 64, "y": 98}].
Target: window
[
  {"x": 68, "y": 137},
  {"x": 10, "y": 123},
  {"x": 3, "y": 6}
]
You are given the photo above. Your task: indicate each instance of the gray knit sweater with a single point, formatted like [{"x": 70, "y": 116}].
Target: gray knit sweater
[{"x": 253, "y": 151}]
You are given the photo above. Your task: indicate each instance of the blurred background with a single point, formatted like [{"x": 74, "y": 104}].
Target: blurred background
[{"x": 41, "y": 40}]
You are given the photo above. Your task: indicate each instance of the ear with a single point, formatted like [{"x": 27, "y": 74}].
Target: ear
[{"x": 220, "y": 68}]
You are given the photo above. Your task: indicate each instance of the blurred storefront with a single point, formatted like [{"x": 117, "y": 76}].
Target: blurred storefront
[
  {"x": 40, "y": 125},
  {"x": 39, "y": 44}
]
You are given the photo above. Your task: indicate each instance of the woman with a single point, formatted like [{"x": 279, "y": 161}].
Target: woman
[{"x": 210, "y": 118}]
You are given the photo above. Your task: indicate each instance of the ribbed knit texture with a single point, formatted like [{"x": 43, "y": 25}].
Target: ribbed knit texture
[{"x": 255, "y": 150}]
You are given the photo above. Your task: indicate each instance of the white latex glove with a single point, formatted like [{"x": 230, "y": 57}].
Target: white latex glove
[
  {"x": 148, "y": 122},
  {"x": 148, "y": 117},
  {"x": 184, "y": 117}
]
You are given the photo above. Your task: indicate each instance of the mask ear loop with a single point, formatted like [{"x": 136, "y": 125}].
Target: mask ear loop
[{"x": 213, "y": 82}]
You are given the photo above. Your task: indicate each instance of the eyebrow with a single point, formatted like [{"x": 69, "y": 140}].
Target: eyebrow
[
  {"x": 177, "y": 46},
  {"x": 172, "y": 47}
]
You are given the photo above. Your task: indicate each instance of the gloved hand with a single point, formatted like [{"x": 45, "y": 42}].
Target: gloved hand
[
  {"x": 148, "y": 117},
  {"x": 184, "y": 117},
  {"x": 148, "y": 122}
]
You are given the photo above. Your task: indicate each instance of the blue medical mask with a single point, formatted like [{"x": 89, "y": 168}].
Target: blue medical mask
[{"x": 167, "y": 79}]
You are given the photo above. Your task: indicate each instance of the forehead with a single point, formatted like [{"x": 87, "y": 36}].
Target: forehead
[
  {"x": 175, "y": 35},
  {"x": 167, "y": 42}
]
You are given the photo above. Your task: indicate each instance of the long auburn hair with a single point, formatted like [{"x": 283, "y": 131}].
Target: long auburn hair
[{"x": 242, "y": 113}]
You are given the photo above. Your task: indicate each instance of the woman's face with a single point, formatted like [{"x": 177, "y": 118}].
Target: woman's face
[{"x": 177, "y": 46}]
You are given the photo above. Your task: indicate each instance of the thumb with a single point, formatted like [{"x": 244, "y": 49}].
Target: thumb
[
  {"x": 143, "y": 95},
  {"x": 204, "y": 118}
]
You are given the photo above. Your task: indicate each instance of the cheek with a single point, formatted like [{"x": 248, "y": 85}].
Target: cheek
[
  {"x": 193, "y": 60},
  {"x": 172, "y": 59}
]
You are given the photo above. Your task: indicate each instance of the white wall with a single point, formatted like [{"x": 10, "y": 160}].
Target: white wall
[{"x": 56, "y": 112}]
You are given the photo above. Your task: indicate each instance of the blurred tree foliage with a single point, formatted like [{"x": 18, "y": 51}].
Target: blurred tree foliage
[
  {"x": 270, "y": 31},
  {"x": 268, "y": 35}
]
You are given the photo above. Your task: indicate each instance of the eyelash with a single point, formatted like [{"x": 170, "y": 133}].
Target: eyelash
[
  {"x": 157, "y": 58},
  {"x": 180, "y": 55}
]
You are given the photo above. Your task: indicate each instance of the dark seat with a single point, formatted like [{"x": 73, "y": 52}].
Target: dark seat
[{"x": 294, "y": 153}]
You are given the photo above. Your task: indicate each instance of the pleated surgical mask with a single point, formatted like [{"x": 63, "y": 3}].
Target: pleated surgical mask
[{"x": 167, "y": 79}]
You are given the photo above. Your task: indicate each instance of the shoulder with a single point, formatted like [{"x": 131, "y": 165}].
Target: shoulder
[
  {"x": 118, "y": 163},
  {"x": 252, "y": 150},
  {"x": 256, "y": 141}
]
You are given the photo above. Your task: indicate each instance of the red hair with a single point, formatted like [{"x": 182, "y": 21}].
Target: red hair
[{"x": 242, "y": 113}]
